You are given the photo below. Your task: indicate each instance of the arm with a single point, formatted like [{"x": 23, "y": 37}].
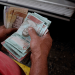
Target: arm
[
  {"x": 40, "y": 47},
  {"x": 39, "y": 66}
]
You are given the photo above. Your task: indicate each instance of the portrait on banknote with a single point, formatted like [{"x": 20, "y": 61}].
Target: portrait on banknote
[{"x": 30, "y": 24}]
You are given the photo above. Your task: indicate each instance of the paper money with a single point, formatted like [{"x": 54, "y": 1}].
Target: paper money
[
  {"x": 18, "y": 44},
  {"x": 11, "y": 50},
  {"x": 45, "y": 31},
  {"x": 18, "y": 16},
  {"x": 45, "y": 25},
  {"x": 16, "y": 57},
  {"x": 6, "y": 45},
  {"x": 10, "y": 13},
  {"x": 6, "y": 8},
  {"x": 17, "y": 23},
  {"x": 14, "y": 16},
  {"x": 31, "y": 21},
  {"x": 21, "y": 39}
]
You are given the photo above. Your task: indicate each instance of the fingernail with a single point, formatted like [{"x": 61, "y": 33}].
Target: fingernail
[{"x": 30, "y": 28}]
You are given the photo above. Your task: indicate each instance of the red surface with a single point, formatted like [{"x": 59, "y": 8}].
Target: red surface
[{"x": 8, "y": 66}]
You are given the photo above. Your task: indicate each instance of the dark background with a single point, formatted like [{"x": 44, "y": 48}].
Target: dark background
[
  {"x": 61, "y": 60},
  {"x": 1, "y": 13}
]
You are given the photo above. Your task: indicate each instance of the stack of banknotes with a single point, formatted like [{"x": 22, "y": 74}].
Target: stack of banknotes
[
  {"x": 18, "y": 44},
  {"x": 14, "y": 16}
]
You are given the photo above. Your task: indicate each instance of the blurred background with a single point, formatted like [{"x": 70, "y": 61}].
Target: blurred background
[{"x": 61, "y": 59}]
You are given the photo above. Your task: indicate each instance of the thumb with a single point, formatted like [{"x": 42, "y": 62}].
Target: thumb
[
  {"x": 32, "y": 33},
  {"x": 10, "y": 31}
]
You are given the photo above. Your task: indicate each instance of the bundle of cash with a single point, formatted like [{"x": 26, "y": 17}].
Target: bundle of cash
[
  {"x": 18, "y": 44},
  {"x": 14, "y": 16}
]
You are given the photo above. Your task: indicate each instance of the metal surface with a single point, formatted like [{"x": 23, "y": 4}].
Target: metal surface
[
  {"x": 56, "y": 2},
  {"x": 47, "y": 7},
  {"x": 62, "y": 10},
  {"x": 65, "y": 3}
]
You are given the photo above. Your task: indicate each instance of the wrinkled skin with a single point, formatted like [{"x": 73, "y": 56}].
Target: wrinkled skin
[{"x": 40, "y": 47}]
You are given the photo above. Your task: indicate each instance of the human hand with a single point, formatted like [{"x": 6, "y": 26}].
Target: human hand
[
  {"x": 4, "y": 33},
  {"x": 40, "y": 46}
]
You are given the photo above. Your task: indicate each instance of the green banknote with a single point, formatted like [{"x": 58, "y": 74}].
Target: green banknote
[
  {"x": 11, "y": 50},
  {"x": 19, "y": 42},
  {"x": 21, "y": 39},
  {"x": 16, "y": 50},
  {"x": 45, "y": 25}
]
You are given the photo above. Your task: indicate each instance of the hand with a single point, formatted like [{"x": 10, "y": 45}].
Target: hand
[
  {"x": 4, "y": 33},
  {"x": 40, "y": 46}
]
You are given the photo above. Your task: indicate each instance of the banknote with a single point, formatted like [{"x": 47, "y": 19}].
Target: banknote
[
  {"x": 16, "y": 57},
  {"x": 9, "y": 16},
  {"x": 16, "y": 50},
  {"x": 34, "y": 22},
  {"x": 45, "y": 20},
  {"x": 10, "y": 49},
  {"x": 46, "y": 31},
  {"x": 19, "y": 43},
  {"x": 14, "y": 13},
  {"x": 21, "y": 39},
  {"x": 17, "y": 22},
  {"x": 46, "y": 24},
  {"x": 6, "y": 8},
  {"x": 23, "y": 10},
  {"x": 18, "y": 16}
]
